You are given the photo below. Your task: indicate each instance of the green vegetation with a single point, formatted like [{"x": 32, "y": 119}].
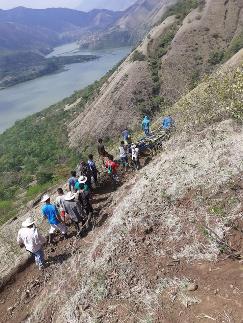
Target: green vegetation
[
  {"x": 235, "y": 45},
  {"x": 182, "y": 8},
  {"x": 216, "y": 57},
  {"x": 224, "y": 55},
  {"x": 218, "y": 98},
  {"x": 35, "y": 153},
  {"x": 138, "y": 56}
]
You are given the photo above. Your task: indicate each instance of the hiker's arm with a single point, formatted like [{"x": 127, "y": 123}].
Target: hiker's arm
[
  {"x": 20, "y": 241},
  {"x": 58, "y": 215}
]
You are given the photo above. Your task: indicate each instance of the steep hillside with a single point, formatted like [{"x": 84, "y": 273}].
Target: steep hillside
[
  {"x": 186, "y": 44},
  {"x": 171, "y": 247},
  {"x": 207, "y": 37},
  {"x": 132, "y": 25},
  {"x": 167, "y": 245}
]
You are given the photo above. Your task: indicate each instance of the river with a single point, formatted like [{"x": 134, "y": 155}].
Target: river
[{"x": 26, "y": 98}]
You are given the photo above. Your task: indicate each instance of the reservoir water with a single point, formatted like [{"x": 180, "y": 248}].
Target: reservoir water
[{"x": 29, "y": 97}]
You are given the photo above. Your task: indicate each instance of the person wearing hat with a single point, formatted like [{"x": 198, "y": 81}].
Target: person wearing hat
[
  {"x": 82, "y": 184},
  {"x": 84, "y": 195},
  {"x": 50, "y": 212},
  {"x": 30, "y": 238},
  {"x": 73, "y": 209}
]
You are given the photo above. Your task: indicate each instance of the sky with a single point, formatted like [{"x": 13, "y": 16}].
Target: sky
[{"x": 74, "y": 4}]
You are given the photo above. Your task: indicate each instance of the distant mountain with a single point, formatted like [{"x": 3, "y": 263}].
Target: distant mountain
[
  {"x": 23, "y": 28},
  {"x": 131, "y": 26},
  {"x": 108, "y": 4}
]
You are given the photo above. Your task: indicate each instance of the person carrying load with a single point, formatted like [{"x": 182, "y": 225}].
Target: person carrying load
[{"x": 112, "y": 167}]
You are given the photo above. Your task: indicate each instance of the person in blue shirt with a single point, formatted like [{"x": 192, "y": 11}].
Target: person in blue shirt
[
  {"x": 146, "y": 125},
  {"x": 72, "y": 181},
  {"x": 167, "y": 123},
  {"x": 50, "y": 212},
  {"x": 93, "y": 169},
  {"x": 126, "y": 135}
]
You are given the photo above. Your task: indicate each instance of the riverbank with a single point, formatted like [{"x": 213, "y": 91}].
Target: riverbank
[
  {"x": 25, "y": 66},
  {"x": 24, "y": 99}
]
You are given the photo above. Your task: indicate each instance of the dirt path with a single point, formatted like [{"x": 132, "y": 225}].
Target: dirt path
[
  {"x": 17, "y": 297},
  {"x": 220, "y": 284}
]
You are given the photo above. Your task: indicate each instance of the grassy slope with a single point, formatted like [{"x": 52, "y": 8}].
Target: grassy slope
[{"x": 161, "y": 217}]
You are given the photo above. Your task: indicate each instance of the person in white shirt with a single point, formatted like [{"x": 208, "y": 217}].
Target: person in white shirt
[
  {"x": 60, "y": 204},
  {"x": 135, "y": 156},
  {"x": 123, "y": 155},
  {"x": 30, "y": 238}
]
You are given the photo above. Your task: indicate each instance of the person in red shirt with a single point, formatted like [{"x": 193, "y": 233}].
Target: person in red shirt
[{"x": 112, "y": 167}]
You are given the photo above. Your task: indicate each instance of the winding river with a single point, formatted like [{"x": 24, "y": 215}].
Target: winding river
[{"x": 29, "y": 97}]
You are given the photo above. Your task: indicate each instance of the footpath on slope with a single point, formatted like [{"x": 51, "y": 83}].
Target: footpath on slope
[
  {"x": 19, "y": 293},
  {"x": 219, "y": 282}
]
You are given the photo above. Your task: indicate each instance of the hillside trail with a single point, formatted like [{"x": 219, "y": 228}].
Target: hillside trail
[
  {"x": 20, "y": 292},
  {"x": 220, "y": 282}
]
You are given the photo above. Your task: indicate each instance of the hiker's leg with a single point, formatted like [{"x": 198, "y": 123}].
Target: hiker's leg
[
  {"x": 51, "y": 233},
  {"x": 63, "y": 229},
  {"x": 39, "y": 258},
  {"x": 76, "y": 224}
]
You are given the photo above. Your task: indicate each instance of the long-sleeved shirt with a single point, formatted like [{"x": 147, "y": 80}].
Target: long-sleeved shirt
[
  {"x": 31, "y": 238},
  {"x": 167, "y": 122},
  {"x": 145, "y": 123}
]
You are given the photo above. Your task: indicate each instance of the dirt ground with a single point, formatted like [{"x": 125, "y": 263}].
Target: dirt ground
[{"x": 208, "y": 291}]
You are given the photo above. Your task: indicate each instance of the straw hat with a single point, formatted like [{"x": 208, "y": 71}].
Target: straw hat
[
  {"x": 28, "y": 222},
  {"x": 69, "y": 196},
  {"x": 82, "y": 179},
  {"x": 45, "y": 198}
]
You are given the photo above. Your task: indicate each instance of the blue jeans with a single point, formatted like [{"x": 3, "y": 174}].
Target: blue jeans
[
  {"x": 146, "y": 131},
  {"x": 39, "y": 257}
]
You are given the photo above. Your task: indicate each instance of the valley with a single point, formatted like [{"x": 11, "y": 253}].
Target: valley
[
  {"x": 24, "y": 99},
  {"x": 165, "y": 242}
]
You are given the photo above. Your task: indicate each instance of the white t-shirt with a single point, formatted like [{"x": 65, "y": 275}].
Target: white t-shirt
[
  {"x": 135, "y": 153},
  {"x": 123, "y": 152},
  {"x": 60, "y": 202},
  {"x": 31, "y": 238}
]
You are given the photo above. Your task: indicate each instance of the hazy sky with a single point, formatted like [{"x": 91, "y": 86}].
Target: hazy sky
[
  {"x": 6, "y": 4},
  {"x": 81, "y": 4}
]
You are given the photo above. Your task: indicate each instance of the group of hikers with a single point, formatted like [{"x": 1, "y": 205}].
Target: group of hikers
[{"x": 75, "y": 206}]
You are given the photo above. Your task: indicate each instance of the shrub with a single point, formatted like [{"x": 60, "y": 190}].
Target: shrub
[
  {"x": 216, "y": 57},
  {"x": 138, "y": 56},
  {"x": 235, "y": 46},
  {"x": 44, "y": 177}
]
